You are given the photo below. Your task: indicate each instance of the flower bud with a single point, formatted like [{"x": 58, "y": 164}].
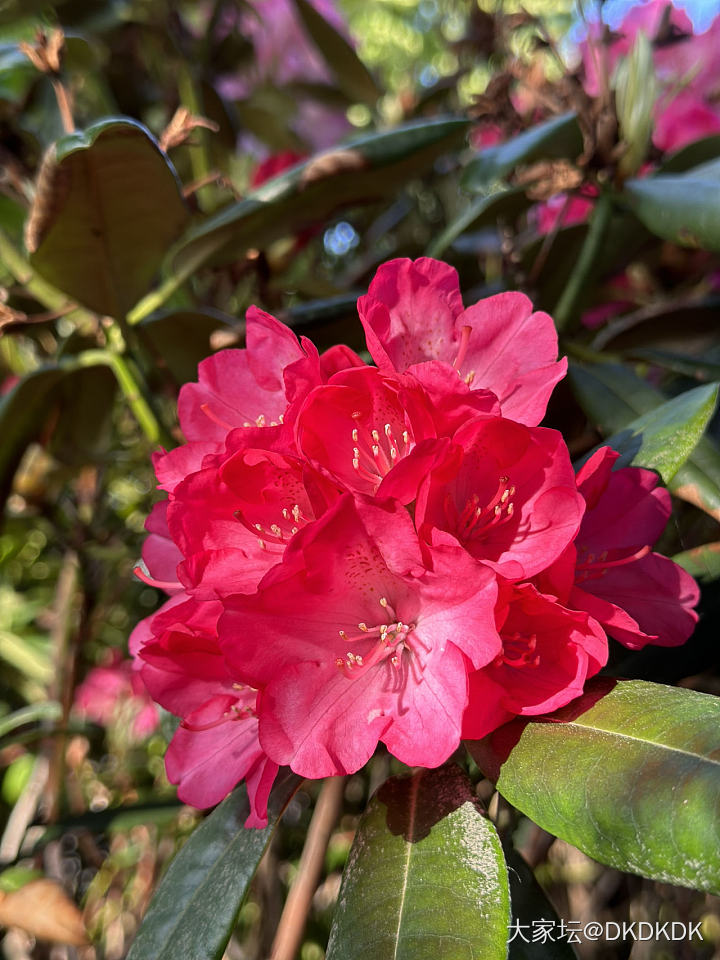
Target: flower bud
[{"x": 636, "y": 91}]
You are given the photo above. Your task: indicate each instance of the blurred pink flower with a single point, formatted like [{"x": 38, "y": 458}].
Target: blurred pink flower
[
  {"x": 284, "y": 54},
  {"x": 115, "y": 693},
  {"x": 685, "y": 64}
]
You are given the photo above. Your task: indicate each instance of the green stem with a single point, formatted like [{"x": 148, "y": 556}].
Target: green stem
[
  {"x": 40, "y": 289},
  {"x": 200, "y": 161},
  {"x": 136, "y": 400},
  {"x": 566, "y": 306},
  {"x": 156, "y": 298}
]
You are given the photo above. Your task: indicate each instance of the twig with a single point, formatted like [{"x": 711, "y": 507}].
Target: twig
[
  {"x": 294, "y": 916},
  {"x": 63, "y": 645}
]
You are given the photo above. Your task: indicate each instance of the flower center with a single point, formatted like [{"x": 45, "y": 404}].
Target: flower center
[
  {"x": 259, "y": 421},
  {"x": 591, "y": 567},
  {"x": 376, "y": 452},
  {"x": 286, "y": 525},
  {"x": 236, "y": 711},
  {"x": 390, "y": 640},
  {"x": 476, "y": 521},
  {"x": 518, "y": 651}
]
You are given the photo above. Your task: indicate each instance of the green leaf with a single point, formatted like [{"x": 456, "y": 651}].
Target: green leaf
[
  {"x": 46, "y": 710},
  {"x": 107, "y": 208},
  {"x": 26, "y": 409},
  {"x": 664, "y": 438},
  {"x": 195, "y": 907},
  {"x": 696, "y": 367},
  {"x": 556, "y": 138},
  {"x": 31, "y": 659},
  {"x": 84, "y": 403},
  {"x": 614, "y": 399},
  {"x": 683, "y": 208},
  {"x": 629, "y": 773},
  {"x": 702, "y": 562},
  {"x": 180, "y": 339},
  {"x": 482, "y": 211},
  {"x": 691, "y": 155},
  {"x": 351, "y": 74},
  {"x": 369, "y": 168},
  {"x": 426, "y": 876}
]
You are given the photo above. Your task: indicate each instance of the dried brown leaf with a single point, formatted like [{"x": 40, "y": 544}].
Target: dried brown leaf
[{"x": 44, "y": 910}]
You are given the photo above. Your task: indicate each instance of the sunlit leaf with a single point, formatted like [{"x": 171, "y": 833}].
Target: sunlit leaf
[
  {"x": 683, "y": 207},
  {"x": 108, "y": 206},
  {"x": 613, "y": 397},
  {"x": 426, "y": 877},
  {"x": 630, "y": 775},
  {"x": 703, "y": 562}
]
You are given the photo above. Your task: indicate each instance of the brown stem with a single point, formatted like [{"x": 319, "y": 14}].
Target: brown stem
[
  {"x": 63, "y": 102},
  {"x": 294, "y": 916},
  {"x": 61, "y": 633}
]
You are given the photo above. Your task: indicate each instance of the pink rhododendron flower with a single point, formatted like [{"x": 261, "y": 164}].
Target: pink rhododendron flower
[
  {"x": 547, "y": 654},
  {"x": 507, "y": 494},
  {"x": 395, "y": 554},
  {"x": 640, "y": 597},
  {"x": 375, "y": 646},
  {"x": 114, "y": 693},
  {"x": 563, "y": 210},
  {"x": 216, "y": 744},
  {"x": 413, "y": 312},
  {"x": 283, "y": 53}
]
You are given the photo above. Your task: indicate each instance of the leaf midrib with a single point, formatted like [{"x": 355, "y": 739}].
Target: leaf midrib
[
  {"x": 415, "y": 788},
  {"x": 628, "y": 736}
]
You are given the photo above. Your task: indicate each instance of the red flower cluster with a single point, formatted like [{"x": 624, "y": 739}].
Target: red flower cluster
[{"x": 392, "y": 553}]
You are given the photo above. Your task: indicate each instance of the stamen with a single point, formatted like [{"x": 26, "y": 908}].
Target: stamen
[
  {"x": 215, "y": 419},
  {"x": 462, "y": 349},
  {"x": 160, "y": 584},
  {"x": 601, "y": 564}
]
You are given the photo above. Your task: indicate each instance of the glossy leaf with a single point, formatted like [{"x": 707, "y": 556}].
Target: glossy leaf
[
  {"x": 351, "y": 74},
  {"x": 703, "y": 562},
  {"x": 664, "y": 438},
  {"x": 683, "y": 208},
  {"x": 613, "y": 397},
  {"x": 556, "y": 138},
  {"x": 369, "y": 168},
  {"x": 107, "y": 208},
  {"x": 195, "y": 907},
  {"x": 630, "y": 775},
  {"x": 426, "y": 877}
]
